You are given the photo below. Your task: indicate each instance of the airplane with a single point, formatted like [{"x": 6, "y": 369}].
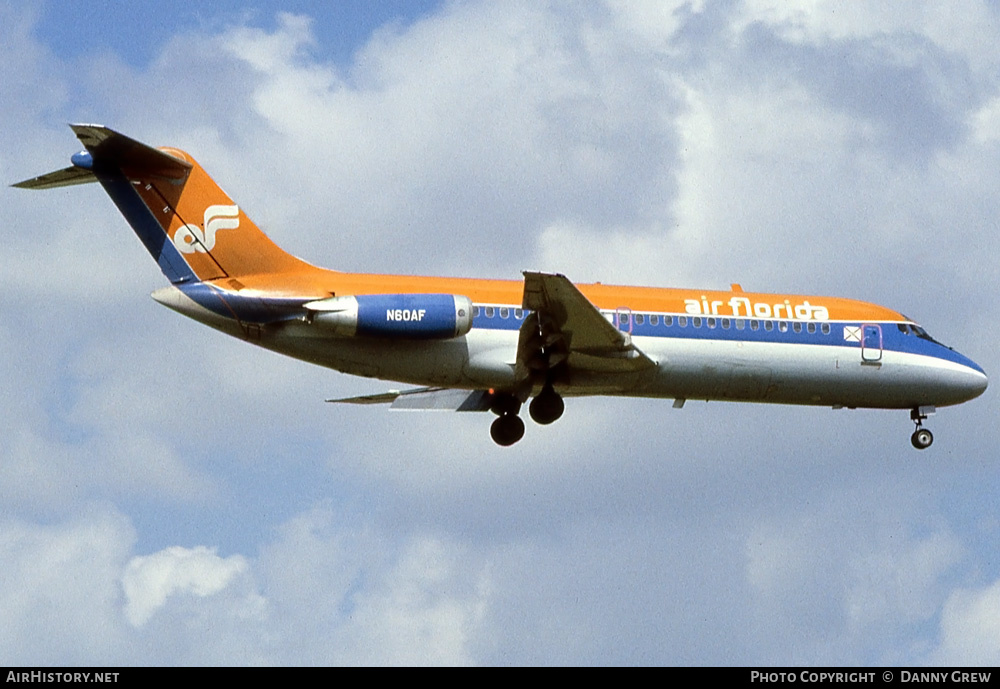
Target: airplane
[{"x": 491, "y": 345}]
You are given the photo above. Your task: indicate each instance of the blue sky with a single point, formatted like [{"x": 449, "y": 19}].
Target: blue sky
[
  {"x": 78, "y": 30},
  {"x": 173, "y": 496}
]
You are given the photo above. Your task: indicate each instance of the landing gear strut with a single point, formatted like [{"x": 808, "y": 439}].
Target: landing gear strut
[{"x": 921, "y": 438}]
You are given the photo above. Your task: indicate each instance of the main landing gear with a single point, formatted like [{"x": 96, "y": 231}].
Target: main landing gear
[
  {"x": 508, "y": 428},
  {"x": 547, "y": 406},
  {"x": 921, "y": 438}
]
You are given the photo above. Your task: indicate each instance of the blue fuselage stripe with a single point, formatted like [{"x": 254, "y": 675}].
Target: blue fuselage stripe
[{"x": 892, "y": 338}]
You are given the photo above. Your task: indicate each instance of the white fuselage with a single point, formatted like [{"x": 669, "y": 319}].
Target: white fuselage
[{"x": 686, "y": 367}]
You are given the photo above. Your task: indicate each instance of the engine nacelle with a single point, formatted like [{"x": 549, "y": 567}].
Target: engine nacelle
[{"x": 405, "y": 316}]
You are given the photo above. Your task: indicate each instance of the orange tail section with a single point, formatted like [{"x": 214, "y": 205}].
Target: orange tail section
[
  {"x": 206, "y": 228},
  {"x": 193, "y": 230}
]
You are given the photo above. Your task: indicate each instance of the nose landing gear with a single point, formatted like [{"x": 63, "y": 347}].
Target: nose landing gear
[{"x": 921, "y": 438}]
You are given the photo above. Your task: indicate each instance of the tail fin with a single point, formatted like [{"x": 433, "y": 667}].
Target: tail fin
[{"x": 191, "y": 227}]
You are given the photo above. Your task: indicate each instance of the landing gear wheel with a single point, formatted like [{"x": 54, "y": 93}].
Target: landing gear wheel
[
  {"x": 547, "y": 406},
  {"x": 507, "y": 429},
  {"x": 922, "y": 438}
]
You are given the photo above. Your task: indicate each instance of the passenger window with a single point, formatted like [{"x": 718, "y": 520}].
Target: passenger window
[
  {"x": 682, "y": 321},
  {"x": 711, "y": 322},
  {"x": 490, "y": 311},
  {"x": 740, "y": 324},
  {"x": 754, "y": 325},
  {"x": 696, "y": 321},
  {"x": 475, "y": 311},
  {"x": 768, "y": 326},
  {"x": 518, "y": 314},
  {"x": 640, "y": 319},
  {"x": 797, "y": 327},
  {"x": 811, "y": 327},
  {"x": 504, "y": 312},
  {"x": 668, "y": 320},
  {"x": 825, "y": 328},
  {"x": 654, "y": 320}
]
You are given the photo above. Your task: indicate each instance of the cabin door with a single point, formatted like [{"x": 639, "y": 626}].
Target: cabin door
[
  {"x": 623, "y": 319},
  {"x": 871, "y": 343}
]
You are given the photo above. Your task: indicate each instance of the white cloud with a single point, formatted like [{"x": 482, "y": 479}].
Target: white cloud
[
  {"x": 149, "y": 580},
  {"x": 970, "y": 628},
  {"x": 415, "y": 615},
  {"x": 347, "y": 595},
  {"x": 59, "y": 595},
  {"x": 830, "y": 583}
]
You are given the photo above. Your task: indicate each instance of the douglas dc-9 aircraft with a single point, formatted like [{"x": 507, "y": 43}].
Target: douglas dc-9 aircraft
[{"x": 478, "y": 345}]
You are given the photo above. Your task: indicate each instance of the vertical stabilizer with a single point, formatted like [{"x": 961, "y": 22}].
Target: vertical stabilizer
[{"x": 193, "y": 230}]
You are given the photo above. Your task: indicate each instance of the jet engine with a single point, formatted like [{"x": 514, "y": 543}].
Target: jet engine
[{"x": 404, "y": 316}]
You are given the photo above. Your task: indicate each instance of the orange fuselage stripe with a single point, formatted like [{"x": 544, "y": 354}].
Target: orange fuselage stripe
[{"x": 318, "y": 283}]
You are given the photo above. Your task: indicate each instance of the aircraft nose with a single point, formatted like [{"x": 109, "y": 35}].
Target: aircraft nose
[
  {"x": 969, "y": 382},
  {"x": 976, "y": 383}
]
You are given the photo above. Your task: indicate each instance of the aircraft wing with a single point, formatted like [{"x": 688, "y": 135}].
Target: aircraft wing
[
  {"x": 566, "y": 327},
  {"x": 427, "y": 399}
]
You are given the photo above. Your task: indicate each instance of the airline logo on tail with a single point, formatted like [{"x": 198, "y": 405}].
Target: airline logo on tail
[{"x": 189, "y": 238}]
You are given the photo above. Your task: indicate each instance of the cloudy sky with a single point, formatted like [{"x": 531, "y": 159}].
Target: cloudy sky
[{"x": 172, "y": 496}]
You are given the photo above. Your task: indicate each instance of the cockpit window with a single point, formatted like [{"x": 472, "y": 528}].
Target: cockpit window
[
  {"x": 920, "y": 332},
  {"x": 914, "y": 329}
]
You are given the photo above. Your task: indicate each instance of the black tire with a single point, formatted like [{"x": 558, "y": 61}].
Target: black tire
[
  {"x": 921, "y": 438},
  {"x": 507, "y": 430},
  {"x": 547, "y": 407}
]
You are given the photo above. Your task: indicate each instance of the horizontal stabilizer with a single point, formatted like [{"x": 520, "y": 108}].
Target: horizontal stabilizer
[
  {"x": 109, "y": 150},
  {"x": 427, "y": 399},
  {"x": 60, "y": 178}
]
